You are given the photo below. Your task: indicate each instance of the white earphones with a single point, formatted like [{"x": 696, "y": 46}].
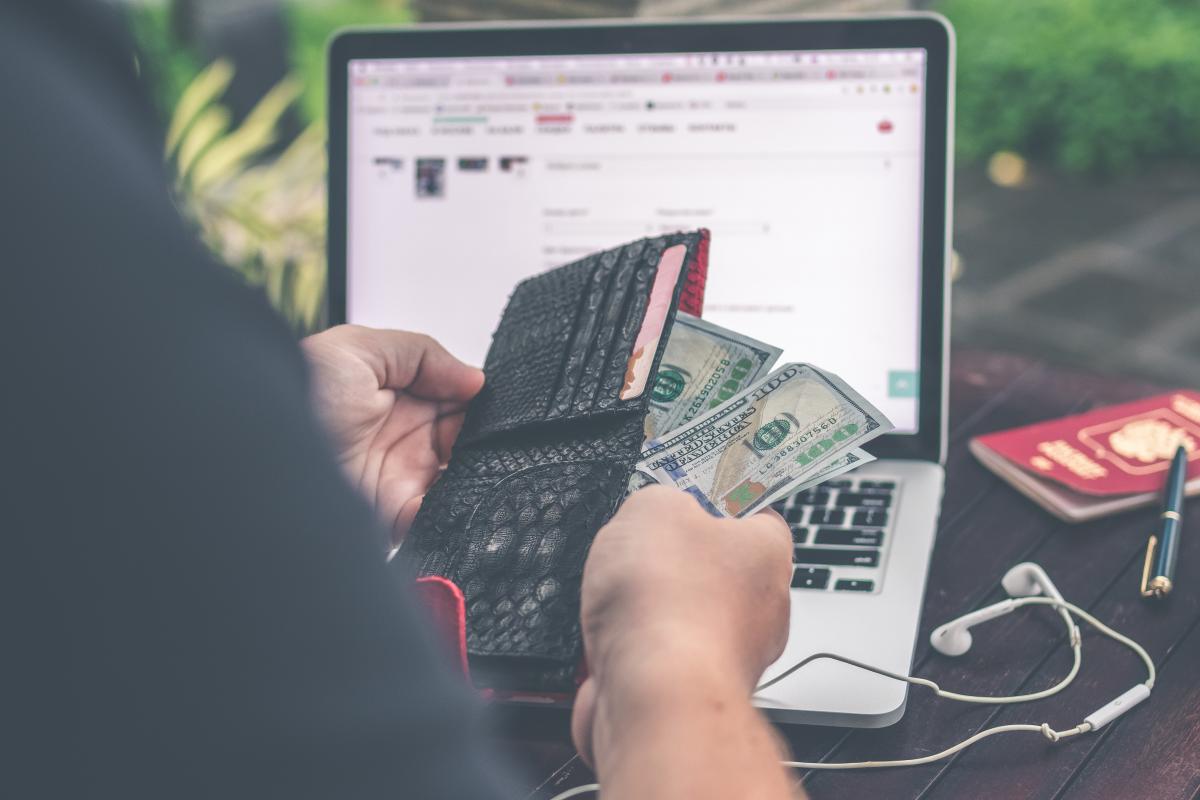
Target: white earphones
[
  {"x": 1027, "y": 584},
  {"x": 1024, "y": 580}
]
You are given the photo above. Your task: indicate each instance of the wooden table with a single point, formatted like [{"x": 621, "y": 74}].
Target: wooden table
[{"x": 986, "y": 527}]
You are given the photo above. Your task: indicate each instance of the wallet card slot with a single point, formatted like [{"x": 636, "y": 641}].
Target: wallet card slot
[
  {"x": 525, "y": 363},
  {"x": 621, "y": 371},
  {"x": 615, "y": 371},
  {"x": 563, "y": 346},
  {"x": 627, "y": 297},
  {"x": 589, "y": 323}
]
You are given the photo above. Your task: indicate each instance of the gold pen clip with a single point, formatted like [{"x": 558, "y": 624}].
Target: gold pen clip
[
  {"x": 1161, "y": 584},
  {"x": 1150, "y": 546}
]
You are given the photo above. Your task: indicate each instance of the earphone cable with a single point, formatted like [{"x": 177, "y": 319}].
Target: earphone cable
[
  {"x": 1045, "y": 730},
  {"x": 1064, "y": 607},
  {"x": 587, "y": 788},
  {"x": 1072, "y": 636}
]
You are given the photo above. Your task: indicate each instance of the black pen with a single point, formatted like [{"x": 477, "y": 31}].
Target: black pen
[{"x": 1166, "y": 544}]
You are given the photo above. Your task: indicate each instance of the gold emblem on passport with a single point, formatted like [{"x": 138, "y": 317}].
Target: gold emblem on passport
[
  {"x": 1150, "y": 440},
  {"x": 1144, "y": 443}
]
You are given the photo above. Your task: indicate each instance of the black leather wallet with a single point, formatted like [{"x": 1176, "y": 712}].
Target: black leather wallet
[{"x": 544, "y": 457}]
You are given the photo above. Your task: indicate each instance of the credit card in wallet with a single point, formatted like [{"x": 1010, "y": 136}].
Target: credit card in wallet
[{"x": 646, "y": 343}]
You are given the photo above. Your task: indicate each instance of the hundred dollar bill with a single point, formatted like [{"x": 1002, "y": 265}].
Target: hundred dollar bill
[
  {"x": 703, "y": 366},
  {"x": 852, "y": 460},
  {"x": 764, "y": 443}
]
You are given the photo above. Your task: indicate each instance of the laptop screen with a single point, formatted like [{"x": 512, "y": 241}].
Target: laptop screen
[{"x": 466, "y": 175}]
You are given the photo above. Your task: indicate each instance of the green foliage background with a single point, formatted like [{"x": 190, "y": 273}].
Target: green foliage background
[
  {"x": 1085, "y": 85},
  {"x": 167, "y": 68},
  {"x": 310, "y": 24},
  {"x": 1088, "y": 85},
  {"x": 262, "y": 214}
]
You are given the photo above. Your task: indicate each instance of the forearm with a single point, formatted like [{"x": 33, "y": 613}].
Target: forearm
[{"x": 666, "y": 729}]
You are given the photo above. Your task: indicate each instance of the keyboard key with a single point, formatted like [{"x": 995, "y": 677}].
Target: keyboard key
[
  {"x": 839, "y": 483},
  {"x": 827, "y": 516},
  {"x": 871, "y": 517},
  {"x": 780, "y": 505},
  {"x": 848, "y": 585},
  {"x": 864, "y": 500},
  {"x": 811, "y": 497},
  {"x": 838, "y": 558},
  {"x": 889, "y": 485},
  {"x": 799, "y": 534},
  {"x": 795, "y": 514},
  {"x": 810, "y": 578},
  {"x": 849, "y": 536}
]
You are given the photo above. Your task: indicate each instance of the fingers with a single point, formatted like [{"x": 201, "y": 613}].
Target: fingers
[
  {"x": 583, "y": 718},
  {"x": 662, "y": 497},
  {"x": 772, "y": 527},
  {"x": 445, "y": 432},
  {"x": 773, "y": 538},
  {"x": 635, "y": 598},
  {"x": 413, "y": 362},
  {"x": 441, "y": 376}
]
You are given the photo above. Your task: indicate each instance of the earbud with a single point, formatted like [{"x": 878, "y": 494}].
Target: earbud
[
  {"x": 1027, "y": 579},
  {"x": 1024, "y": 580},
  {"x": 954, "y": 637}
]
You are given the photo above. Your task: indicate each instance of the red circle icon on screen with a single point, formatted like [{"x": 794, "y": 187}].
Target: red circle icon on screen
[{"x": 884, "y": 126}]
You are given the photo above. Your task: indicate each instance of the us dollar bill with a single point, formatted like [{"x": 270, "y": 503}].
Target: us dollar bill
[
  {"x": 777, "y": 435},
  {"x": 703, "y": 366},
  {"x": 852, "y": 460}
]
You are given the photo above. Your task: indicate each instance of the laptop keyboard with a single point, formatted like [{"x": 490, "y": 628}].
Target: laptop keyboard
[{"x": 841, "y": 531}]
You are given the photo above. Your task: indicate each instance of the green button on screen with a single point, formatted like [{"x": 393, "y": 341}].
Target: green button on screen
[{"x": 902, "y": 383}]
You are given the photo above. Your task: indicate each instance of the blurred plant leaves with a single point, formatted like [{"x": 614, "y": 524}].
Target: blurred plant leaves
[
  {"x": 257, "y": 133},
  {"x": 200, "y": 94},
  {"x": 210, "y": 124},
  {"x": 263, "y": 215}
]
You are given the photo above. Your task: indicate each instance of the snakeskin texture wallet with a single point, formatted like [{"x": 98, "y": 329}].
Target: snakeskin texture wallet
[{"x": 546, "y": 452}]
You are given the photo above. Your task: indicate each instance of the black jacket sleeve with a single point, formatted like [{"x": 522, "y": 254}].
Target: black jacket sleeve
[{"x": 198, "y": 600}]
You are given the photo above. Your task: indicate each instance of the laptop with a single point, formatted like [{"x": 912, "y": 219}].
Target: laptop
[{"x": 464, "y": 158}]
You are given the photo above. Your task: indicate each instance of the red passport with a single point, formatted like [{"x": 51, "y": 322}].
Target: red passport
[{"x": 1094, "y": 464}]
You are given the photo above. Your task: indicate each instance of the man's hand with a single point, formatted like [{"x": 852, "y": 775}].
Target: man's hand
[
  {"x": 393, "y": 402},
  {"x": 681, "y": 614}
]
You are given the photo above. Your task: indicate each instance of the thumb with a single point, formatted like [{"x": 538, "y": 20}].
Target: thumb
[
  {"x": 441, "y": 376},
  {"x": 768, "y": 535},
  {"x": 415, "y": 363},
  {"x": 583, "y": 719}
]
